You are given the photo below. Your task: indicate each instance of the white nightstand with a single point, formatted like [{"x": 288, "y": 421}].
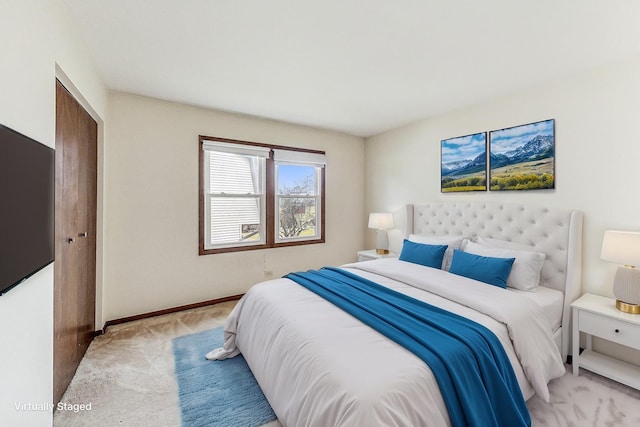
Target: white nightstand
[
  {"x": 371, "y": 254},
  {"x": 597, "y": 316}
]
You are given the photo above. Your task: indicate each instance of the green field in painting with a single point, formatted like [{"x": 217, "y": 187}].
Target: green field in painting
[
  {"x": 472, "y": 182},
  {"x": 533, "y": 175}
]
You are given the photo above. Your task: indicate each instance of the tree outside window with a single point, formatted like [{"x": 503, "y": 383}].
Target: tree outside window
[{"x": 298, "y": 198}]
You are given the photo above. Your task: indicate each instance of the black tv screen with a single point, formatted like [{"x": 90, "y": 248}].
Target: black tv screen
[{"x": 27, "y": 187}]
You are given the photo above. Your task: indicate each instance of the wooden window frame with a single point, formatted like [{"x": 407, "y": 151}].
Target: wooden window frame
[{"x": 270, "y": 195}]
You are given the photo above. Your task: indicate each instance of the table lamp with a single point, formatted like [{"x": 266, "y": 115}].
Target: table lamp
[
  {"x": 623, "y": 247},
  {"x": 382, "y": 222}
]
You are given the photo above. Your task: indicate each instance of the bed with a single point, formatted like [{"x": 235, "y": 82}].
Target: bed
[{"x": 318, "y": 365}]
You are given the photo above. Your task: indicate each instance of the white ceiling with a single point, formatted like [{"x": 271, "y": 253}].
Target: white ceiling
[{"x": 355, "y": 66}]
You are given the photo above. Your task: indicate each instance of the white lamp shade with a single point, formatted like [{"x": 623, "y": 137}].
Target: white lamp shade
[
  {"x": 381, "y": 220},
  {"x": 622, "y": 247}
]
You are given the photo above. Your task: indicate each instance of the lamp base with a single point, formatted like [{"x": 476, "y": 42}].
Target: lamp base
[
  {"x": 627, "y": 308},
  {"x": 382, "y": 242},
  {"x": 626, "y": 289}
]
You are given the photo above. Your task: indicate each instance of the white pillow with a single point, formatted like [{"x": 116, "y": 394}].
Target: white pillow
[
  {"x": 525, "y": 273},
  {"x": 504, "y": 244},
  {"x": 453, "y": 242}
]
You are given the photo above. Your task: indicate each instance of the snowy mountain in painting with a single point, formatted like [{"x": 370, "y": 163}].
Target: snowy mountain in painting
[
  {"x": 464, "y": 167},
  {"x": 540, "y": 147}
]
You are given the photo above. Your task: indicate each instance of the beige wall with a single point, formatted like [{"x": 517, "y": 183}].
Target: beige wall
[
  {"x": 151, "y": 202},
  {"x": 597, "y": 155},
  {"x": 38, "y": 42}
]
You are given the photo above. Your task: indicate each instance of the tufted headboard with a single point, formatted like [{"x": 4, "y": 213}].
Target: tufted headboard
[{"x": 555, "y": 232}]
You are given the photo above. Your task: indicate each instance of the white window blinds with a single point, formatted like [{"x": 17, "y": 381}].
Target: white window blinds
[
  {"x": 290, "y": 156},
  {"x": 235, "y": 204},
  {"x": 247, "y": 150}
]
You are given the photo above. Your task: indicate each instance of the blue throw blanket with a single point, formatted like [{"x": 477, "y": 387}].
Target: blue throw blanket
[{"x": 469, "y": 364}]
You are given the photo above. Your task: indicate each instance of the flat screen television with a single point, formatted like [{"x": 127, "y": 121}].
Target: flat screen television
[{"x": 27, "y": 188}]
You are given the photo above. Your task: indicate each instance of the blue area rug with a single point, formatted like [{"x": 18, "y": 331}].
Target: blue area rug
[{"x": 216, "y": 393}]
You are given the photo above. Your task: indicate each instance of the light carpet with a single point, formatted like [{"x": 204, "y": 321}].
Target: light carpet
[
  {"x": 586, "y": 400},
  {"x": 128, "y": 377},
  {"x": 220, "y": 393}
]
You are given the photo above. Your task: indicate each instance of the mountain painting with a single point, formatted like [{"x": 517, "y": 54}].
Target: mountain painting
[
  {"x": 522, "y": 157},
  {"x": 463, "y": 164}
]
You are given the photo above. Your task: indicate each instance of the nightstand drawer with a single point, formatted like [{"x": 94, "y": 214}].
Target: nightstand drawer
[{"x": 610, "y": 329}]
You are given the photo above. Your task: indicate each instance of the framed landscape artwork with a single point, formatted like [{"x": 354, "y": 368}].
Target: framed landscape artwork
[
  {"x": 522, "y": 157},
  {"x": 463, "y": 165}
]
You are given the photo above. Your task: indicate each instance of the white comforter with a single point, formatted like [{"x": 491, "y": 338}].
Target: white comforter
[{"x": 319, "y": 366}]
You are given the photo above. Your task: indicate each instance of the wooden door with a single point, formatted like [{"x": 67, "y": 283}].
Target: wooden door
[{"x": 75, "y": 247}]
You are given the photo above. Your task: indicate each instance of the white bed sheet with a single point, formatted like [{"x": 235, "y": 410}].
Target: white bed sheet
[
  {"x": 550, "y": 300},
  {"x": 317, "y": 365}
]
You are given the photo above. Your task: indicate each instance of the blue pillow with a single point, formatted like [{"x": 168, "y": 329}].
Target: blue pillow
[
  {"x": 493, "y": 271},
  {"x": 420, "y": 253}
]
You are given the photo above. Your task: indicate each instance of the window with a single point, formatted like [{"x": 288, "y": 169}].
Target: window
[
  {"x": 255, "y": 196},
  {"x": 298, "y": 195},
  {"x": 235, "y": 194}
]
